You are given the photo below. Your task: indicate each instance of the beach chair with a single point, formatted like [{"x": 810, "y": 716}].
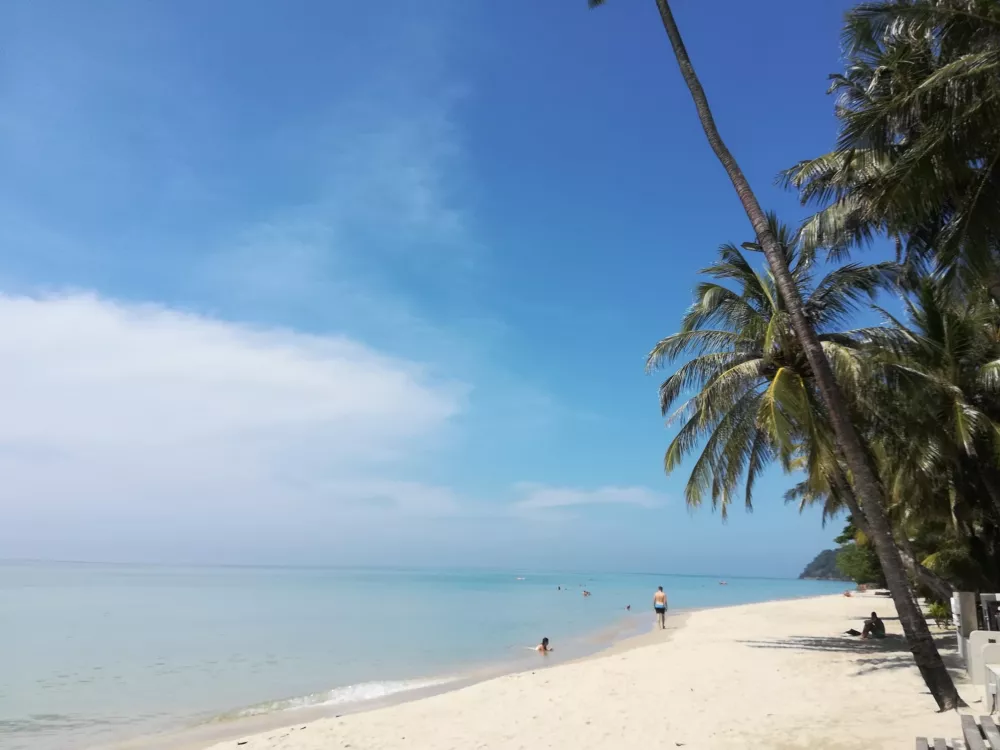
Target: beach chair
[
  {"x": 926, "y": 744},
  {"x": 981, "y": 736},
  {"x": 990, "y": 732}
]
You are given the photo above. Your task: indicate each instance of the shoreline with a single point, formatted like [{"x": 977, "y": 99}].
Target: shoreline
[
  {"x": 623, "y": 636},
  {"x": 778, "y": 674},
  {"x": 179, "y": 648}
]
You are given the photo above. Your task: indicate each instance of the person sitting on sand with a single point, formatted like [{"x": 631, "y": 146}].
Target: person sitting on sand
[
  {"x": 543, "y": 647},
  {"x": 874, "y": 628}
]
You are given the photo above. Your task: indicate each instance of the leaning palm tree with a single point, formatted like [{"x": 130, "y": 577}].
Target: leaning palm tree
[
  {"x": 754, "y": 397},
  {"x": 849, "y": 444},
  {"x": 909, "y": 487}
]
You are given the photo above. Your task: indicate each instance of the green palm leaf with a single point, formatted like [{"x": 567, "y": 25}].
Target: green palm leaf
[{"x": 751, "y": 399}]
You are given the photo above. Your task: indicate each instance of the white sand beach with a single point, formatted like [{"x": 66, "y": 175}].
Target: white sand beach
[{"x": 774, "y": 675}]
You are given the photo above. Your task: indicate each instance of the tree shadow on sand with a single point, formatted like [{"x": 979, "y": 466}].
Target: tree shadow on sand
[{"x": 890, "y": 652}]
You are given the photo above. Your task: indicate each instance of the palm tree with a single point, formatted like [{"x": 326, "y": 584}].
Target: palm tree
[
  {"x": 756, "y": 400},
  {"x": 935, "y": 413},
  {"x": 918, "y": 157},
  {"x": 931, "y": 415},
  {"x": 849, "y": 445},
  {"x": 833, "y": 492}
]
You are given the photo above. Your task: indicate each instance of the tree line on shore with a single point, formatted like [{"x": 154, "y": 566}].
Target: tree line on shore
[{"x": 896, "y": 424}]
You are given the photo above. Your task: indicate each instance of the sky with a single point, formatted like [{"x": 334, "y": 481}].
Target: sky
[{"x": 350, "y": 283}]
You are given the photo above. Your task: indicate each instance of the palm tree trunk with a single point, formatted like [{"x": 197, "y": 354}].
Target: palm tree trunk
[
  {"x": 918, "y": 635},
  {"x": 922, "y": 574}
]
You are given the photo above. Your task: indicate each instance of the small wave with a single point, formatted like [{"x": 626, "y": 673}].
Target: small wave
[{"x": 364, "y": 691}]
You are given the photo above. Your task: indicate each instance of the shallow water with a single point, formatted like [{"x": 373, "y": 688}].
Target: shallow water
[{"x": 96, "y": 653}]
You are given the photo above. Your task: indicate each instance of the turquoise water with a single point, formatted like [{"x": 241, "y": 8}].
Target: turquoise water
[{"x": 96, "y": 653}]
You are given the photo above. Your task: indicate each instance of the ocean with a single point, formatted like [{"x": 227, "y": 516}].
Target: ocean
[{"x": 94, "y": 654}]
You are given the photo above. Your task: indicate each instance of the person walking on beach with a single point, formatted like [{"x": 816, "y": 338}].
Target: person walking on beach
[{"x": 660, "y": 607}]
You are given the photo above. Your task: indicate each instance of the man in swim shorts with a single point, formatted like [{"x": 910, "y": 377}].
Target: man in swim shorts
[{"x": 660, "y": 607}]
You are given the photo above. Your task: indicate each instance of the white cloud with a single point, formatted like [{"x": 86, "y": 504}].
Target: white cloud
[
  {"x": 147, "y": 433},
  {"x": 108, "y": 406},
  {"x": 542, "y": 497}
]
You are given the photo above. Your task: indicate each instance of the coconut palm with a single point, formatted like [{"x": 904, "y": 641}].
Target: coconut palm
[
  {"x": 918, "y": 157},
  {"x": 755, "y": 398},
  {"x": 932, "y": 421},
  {"x": 848, "y": 442},
  {"x": 831, "y": 490},
  {"x": 936, "y": 414}
]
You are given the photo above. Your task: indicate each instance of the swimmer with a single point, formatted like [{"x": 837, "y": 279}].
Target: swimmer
[{"x": 543, "y": 647}]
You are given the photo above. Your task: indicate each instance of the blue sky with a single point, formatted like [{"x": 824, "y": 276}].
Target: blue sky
[{"x": 332, "y": 282}]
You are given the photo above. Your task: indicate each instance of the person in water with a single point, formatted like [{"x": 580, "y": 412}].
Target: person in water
[
  {"x": 660, "y": 607},
  {"x": 543, "y": 647},
  {"x": 874, "y": 628}
]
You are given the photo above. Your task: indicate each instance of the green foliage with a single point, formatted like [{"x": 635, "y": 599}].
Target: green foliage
[
  {"x": 940, "y": 612},
  {"x": 754, "y": 401},
  {"x": 859, "y": 563},
  {"x": 849, "y": 534},
  {"x": 917, "y": 162},
  {"x": 918, "y": 155},
  {"x": 856, "y": 560}
]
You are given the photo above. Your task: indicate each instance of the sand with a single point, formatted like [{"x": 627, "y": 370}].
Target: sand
[{"x": 775, "y": 675}]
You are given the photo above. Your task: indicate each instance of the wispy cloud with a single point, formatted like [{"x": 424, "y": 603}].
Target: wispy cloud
[
  {"x": 134, "y": 167},
  {"x": 543, "y": 497},
  {"x": 384, "y": 225},
  {"x": 378, "y": 218}
]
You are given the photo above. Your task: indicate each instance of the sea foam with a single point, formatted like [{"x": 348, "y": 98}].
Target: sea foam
[{"x": 349, "y": 694}]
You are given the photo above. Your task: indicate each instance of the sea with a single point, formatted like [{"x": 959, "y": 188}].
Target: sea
[{"x": 97, "y": 654}]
